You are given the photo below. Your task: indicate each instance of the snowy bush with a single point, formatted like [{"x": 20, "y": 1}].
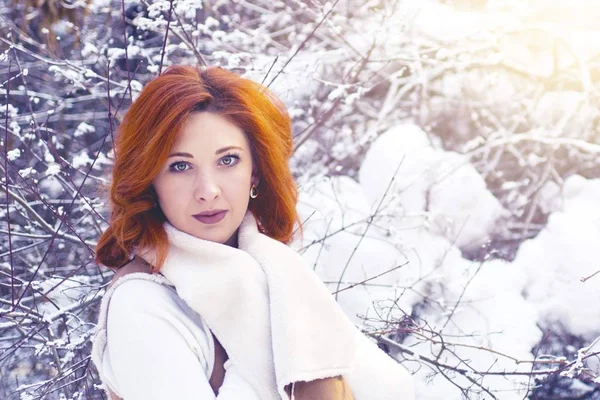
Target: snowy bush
[{"x": 447, "y": 154}]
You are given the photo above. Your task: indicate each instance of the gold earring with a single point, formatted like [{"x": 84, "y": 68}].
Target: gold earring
[{"x": 253, "y": 192}]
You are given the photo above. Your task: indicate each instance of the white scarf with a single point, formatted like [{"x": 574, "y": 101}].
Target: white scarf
[{"x": 278, "y": 323}]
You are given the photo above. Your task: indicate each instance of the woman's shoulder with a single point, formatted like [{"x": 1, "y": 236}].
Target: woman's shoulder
[
  {"x": 141, "y": 293},
  {"x": 145, "y": 296},
  {"x": 152, "y": 311},
  {"x": 136, "y": 265},
  {"x": 136, "y": 288},
  {"x": 147, "y": 327}
]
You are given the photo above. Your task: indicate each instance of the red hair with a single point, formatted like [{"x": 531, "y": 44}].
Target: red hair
[{"x": 149, "y": 129}]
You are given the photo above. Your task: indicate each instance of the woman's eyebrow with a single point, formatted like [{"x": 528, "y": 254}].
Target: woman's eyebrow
[
  {"x": 224, "y": 149},
  {"x": 179, "y": 154}
]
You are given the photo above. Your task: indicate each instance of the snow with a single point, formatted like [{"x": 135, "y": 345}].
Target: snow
[
  {"x": 71, "y": 75},
  {"x": 445, "y": 23},
  {"x": 564, "y": 252},
  {"x": 115, "y": 54},
  {"x": 493, "y": 315},
  {"x": 60, "y": 291},
  {"x": 53, "y": 169},
  {"x": 337, "y": 207},
  {"x": 84, "y": 128},
  {"x": 351, "y": 236},
  {"x": 88, "y": 50},
  {"x": 136, "y": 88},
  {"x": 81, "y": 160},
  {"x": 13, "y": 154},
  {"x": 441, "y": 183},
  {"x": 155, "y": 9},
  {"x": 15, "y": 128},
  {"x": 26, "y": 172},
  {"x": 297, "y": 80},
  {"x": 188, "y": 8},
  {"x": 564, "y": 113}
]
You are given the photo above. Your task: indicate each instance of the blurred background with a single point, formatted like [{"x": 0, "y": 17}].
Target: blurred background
[{"x": 447, "y": 155}]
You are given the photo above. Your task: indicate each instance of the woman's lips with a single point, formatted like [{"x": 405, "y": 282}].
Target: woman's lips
[{"x": 211, "y": 219}]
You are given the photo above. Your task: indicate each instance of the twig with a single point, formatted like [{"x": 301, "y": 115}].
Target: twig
[
  {"x": 10, "y": 249},
  {"x": 370, "y": 220},
  {"x": 585, "y": 278},
  {"x": 304, "y": 42},
  {"x": 164, "y": 46},
  {"x": 371, "y": 278}
]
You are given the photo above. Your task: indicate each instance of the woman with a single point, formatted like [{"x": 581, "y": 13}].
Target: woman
[{"x": 208, "y": 301}]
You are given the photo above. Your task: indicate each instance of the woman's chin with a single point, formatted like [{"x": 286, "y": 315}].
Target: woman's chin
[{"x": 212, "y": 235}]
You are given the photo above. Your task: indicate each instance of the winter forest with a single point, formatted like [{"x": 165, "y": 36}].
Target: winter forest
[{"x": 447, "y": 154}]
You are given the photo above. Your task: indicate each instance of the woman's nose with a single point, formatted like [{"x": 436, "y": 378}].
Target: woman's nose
[{"x": 206, "y": 188}]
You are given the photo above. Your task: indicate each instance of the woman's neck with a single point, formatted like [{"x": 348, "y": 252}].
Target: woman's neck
[{"x": 233, "y": 240}]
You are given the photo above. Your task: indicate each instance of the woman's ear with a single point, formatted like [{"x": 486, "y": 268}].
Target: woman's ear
[{"x": 255, "y": 179}]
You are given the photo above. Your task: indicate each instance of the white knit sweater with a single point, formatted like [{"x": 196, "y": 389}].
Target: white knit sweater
[
  {"x": 274, "y": 317},
  {"x": 158, "y": 347}
]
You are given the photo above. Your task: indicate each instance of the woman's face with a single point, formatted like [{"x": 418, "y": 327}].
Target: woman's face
[{"x": 203, "y": 188}]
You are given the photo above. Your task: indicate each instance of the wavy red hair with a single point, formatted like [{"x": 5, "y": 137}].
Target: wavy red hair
[{"x": 149, "y": 129}]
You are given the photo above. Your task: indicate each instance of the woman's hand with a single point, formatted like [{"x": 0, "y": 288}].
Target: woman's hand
[{"x": 335, "y": 388}]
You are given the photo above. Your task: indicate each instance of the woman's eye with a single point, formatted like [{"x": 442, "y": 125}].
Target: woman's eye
[
  {"x": 178, "y": 166},
  {"x": 229, "y": 160}
]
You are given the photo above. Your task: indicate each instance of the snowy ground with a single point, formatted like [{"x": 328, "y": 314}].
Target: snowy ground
[{"x": 435, "y": 206}]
